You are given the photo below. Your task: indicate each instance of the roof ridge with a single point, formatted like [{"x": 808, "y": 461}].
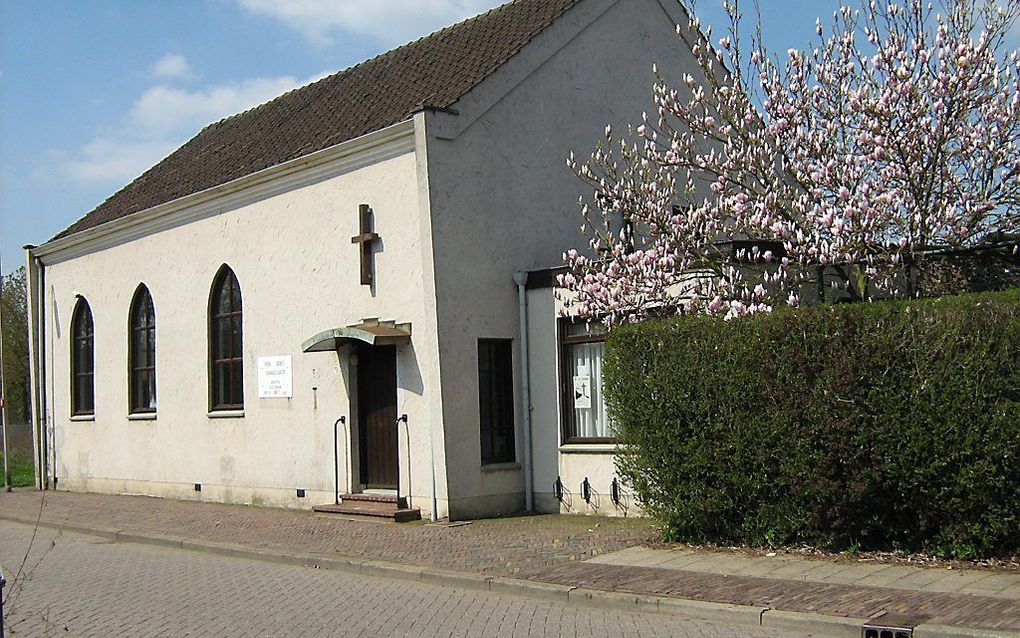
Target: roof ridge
[
  {"x": 434, "y": 34},
  {"x": 434, "y": 70}
]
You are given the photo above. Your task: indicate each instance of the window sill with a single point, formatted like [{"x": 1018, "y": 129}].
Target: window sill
[
  {"x": 501, "y": 467},
  {"x": 225, "y": 414},
  {"x": 142, "y": 416},
  {"x": 83, "y": 417},
  {"x": 588, "y": 448}
]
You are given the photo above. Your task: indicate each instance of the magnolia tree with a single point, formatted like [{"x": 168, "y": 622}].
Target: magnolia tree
[{"x": 897, "y": 137}]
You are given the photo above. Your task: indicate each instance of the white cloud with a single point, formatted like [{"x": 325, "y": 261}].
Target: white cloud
[
  {"x": 172, "y": 65},
  {"x": 106, "y": 159},
  {"x": 160, "y": 120},
  {"x": 388, "y": 21},
  {"x": 163, "y": 110}
]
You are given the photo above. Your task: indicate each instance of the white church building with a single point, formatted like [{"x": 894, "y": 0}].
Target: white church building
[{"x": 344, "y": 296}]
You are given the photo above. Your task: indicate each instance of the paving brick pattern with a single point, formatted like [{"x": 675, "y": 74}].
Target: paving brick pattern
[
  {"x": 980, "y": 582},
  {"x": 85, "y": 587},
  {"x": 505, "y": 547},
  {"x": 980, "y": 612},
  {"x": 551, "y": 549}
]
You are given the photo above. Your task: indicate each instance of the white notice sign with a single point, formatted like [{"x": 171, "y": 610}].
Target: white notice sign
[
  {"x": 276, "y": 381},
  {"x": 582, "y": 393}
]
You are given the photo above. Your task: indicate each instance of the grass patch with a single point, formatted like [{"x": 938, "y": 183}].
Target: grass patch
[{"x": 22, "y": 472}]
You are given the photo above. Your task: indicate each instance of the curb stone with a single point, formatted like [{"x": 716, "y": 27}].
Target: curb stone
[
  {"x": 613, "y": 600},
  {"x": 532, "y": 589},
  {"x": 818, "y": 625},
  {"x": 157, "y": 540},
  {"x": 719, "y": 612},
  {"x": 835, "y": 626},
  {"x": 946, "y": 631}
]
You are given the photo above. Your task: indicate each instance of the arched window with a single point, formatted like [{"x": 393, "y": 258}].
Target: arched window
[
  {"x": 226, "y": 360},
  {"x": 142, "y": 352},
  {"x": 83, "y": 393}
]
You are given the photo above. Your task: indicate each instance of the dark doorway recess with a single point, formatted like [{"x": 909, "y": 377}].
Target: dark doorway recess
[{"x": 377, "y": 416}]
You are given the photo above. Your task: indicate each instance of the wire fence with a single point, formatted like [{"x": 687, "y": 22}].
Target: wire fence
[{"x": 19, "y": 439}]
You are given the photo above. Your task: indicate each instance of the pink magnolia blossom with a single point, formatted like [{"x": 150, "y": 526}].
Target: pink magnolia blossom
[{"x": 863, "y": 154}]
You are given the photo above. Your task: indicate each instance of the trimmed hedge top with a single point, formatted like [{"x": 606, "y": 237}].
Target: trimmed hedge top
[{"x": 882, "y": 425}]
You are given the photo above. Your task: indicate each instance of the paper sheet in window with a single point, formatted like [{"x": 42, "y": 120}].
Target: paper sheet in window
[{"x": 582, "y": 393}]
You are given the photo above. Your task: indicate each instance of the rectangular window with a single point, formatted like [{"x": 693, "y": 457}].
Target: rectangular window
[
  {"x": 584, "y": 409},
  {"x": 496, "y": 400}
]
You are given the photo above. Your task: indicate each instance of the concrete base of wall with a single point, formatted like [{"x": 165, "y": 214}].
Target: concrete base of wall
[
  {"x": 213, "y": 493},
  {"x": 486, "y": 506},
  {"x": 460, "y": 509}
]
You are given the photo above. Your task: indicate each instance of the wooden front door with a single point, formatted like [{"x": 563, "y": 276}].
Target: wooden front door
[{"x": 377, "y": 416}]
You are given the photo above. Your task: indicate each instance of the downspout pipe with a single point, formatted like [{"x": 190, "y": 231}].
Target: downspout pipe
[
  {"x": 434, "y": 517},
  {"x": 3, "y": 406},
  {"x": 34, "y": 277},
  {"x": 521, "y": 279}
]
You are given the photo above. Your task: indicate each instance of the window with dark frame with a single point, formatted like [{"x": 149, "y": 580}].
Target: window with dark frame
[
  {"x": 83, "y": 393},
  {"x": 496, "y": 400},
  {"x": 582, "y": 348},
  {"x": 142, "y": 353},
  {"x": 226, "y": 359}
]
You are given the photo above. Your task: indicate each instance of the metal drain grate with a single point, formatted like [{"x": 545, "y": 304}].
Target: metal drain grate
[
  {"x": 889, "y": 626},
  {"x": 882, "y": 631}
]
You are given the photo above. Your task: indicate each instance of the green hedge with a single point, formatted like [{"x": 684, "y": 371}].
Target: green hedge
[{"x": 884, "y": 425}]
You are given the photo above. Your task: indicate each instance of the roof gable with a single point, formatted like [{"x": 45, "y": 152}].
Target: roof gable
[{"x": 431, "y": 72}]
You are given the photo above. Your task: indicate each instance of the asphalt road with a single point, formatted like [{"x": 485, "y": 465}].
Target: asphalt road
[{"x": 76, "y": 585}]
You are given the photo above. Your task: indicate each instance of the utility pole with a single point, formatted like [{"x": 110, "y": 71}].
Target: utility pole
[{"x": 3, "y": 392}]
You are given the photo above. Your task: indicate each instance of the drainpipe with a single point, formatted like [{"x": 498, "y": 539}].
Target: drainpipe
[
  {"x": 34, "y": 278},
  {"x": 3, "y": 405},
  {"x": 521, "y": 279},
  {"x": 435, "y": 498}
]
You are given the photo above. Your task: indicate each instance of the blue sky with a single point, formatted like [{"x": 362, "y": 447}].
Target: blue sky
[{"x": 93, "y": 92}]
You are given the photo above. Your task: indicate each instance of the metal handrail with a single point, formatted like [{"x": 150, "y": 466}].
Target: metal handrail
[
  {"x": 336, "y": 458},
  {"x": 407, "y": 430}
]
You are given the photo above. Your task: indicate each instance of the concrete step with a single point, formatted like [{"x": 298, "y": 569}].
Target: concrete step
[
  {"x": 371, "y": 508},
  {"x": 369, "y": 497}
]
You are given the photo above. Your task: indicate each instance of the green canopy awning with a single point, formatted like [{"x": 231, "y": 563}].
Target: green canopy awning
[{"x": 376, "y": 335}]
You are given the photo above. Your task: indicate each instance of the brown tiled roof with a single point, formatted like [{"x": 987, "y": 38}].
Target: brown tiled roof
[{"x": 431, "y": 72}]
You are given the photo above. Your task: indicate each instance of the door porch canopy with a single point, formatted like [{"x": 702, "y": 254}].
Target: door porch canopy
[{"x": 373, "y": 334}]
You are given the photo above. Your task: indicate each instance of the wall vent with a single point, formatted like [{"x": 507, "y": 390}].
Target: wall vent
[{"x": 198, "y": 487}]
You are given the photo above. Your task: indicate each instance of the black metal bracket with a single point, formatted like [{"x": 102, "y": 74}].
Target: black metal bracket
[
  {"x": 586, "y": 490},
  {"x": 614, "y": 491},
  {"x": 558, "y": 489}
]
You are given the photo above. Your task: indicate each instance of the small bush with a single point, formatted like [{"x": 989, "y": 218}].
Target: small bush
[{"x": 884, "y": 425}]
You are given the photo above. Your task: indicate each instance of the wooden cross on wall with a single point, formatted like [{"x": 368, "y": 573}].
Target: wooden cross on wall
[{"x": 365, "y": 239}]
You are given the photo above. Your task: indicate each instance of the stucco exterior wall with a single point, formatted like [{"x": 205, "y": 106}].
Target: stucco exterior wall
[
  {"x": 503, "y": 199},
  {"x": 478, "y": 192},
  {"x": 570, "y": 463},
  {"x": 299, "y": 274}
]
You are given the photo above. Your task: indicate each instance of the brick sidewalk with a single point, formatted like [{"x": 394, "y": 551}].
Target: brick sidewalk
[
  {"x": 550, "y": 549},
  {"x": 852, "y": 601},
  {"x": 518, "y": 547}
]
